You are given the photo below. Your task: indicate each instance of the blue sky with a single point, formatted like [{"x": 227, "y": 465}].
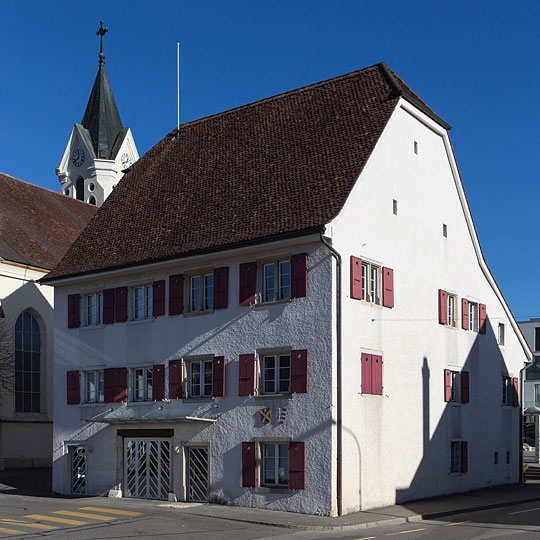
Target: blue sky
[{"x": 476, "y": 63}]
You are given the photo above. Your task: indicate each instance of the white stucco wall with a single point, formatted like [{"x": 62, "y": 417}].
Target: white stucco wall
[
  {"x": 26, "y": 438},
  {"x": 397, "y": 446},
  {"x": 304, "y": 323}
]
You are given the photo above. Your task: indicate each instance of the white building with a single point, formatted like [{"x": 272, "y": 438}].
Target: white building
[
  {"x": 37, "y": 227},
  {"x": 100, "y": 148},
  {"x": 286, "y": 306}
]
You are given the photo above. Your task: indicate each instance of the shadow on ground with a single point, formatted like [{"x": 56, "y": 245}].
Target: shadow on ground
[{"x": 35, "y": 482}]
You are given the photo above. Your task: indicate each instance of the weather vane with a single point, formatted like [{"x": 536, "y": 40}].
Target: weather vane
[{"x": 101, "y": 32}]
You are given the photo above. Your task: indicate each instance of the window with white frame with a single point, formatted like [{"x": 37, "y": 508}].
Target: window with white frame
[
  {"x": 507, "y": 390},
  {"x": 473, "y": 316},
  {"x": 275, "y": 373},
  {"x": 201, "y": 292},
  {"x": 94, "y": 386},
  {"x": 451, "y": 301},
  {"x": 276, "y": 281},
  {"x": 455, "y": 386},
  {"x": 94, "y": 309},
  {"x": 371, "y": 283},
  {"x": 455, "y": 456},
  {"x": 142, "y": 384},
  {"x": 500, "y": 334},
  {"x": 142, "y": 302},
  {"x": 275, "y": 464},
  {"x": 199, "y": 374}
]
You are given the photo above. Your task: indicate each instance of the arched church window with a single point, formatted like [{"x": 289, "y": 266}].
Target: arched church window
[
  {"x": 66, "y": 191},
  {"x": 79, "y": 189},
  {"x": 92, "y": 200},
  {"x": 27, "y": 364}
]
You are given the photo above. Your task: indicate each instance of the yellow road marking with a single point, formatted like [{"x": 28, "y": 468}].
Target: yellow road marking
[
  {"x": 84, "y": 515},
  {"x": 58, "y": 519},
  {"x": 11, "y": 531},
  {"x": 111, "y": 511},
  {"x": 457, "y": 523},
  {"x": 367, "y": 538},
  {"x": 412, "y": 530},
  {"x": 26, "y": 524},
  {"x": 522, "y": 511}
]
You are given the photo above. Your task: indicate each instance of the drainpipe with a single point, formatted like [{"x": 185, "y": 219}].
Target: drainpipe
[{"x": 339, "y": 426}]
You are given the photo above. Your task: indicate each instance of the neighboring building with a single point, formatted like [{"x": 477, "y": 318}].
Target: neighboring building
[
  {"x": 99, "y": 149},
  {"x": 203, "y": 353},
  {"x": 37, "y": 226}
]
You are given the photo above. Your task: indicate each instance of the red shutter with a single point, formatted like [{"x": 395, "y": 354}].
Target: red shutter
[
  {"x": 297, "y": 465},
  {"x": 464, "y": 457},
  {"x": 120, "y": 391},
  {"x": 218, "y": 377},
  {"x": 74, "y": 311},
  {"x": 388, "y": 287},
  {"x": 299, "y": 275},
  {"x": 120, "y": 304},
  {"x": 464, "y": 387},
  {"x": 376, "y": 375},
  {"x": 482, "y": 317},
  {"x": 176, "y": 294},
  {"x": 515, "y": 393},
  {"x": 464, "y": 314},
  {"x": 108, "y": 306},
  {"x": 175, "y": 379},
  {"x": 73, "y": 388},
  {"x": 443, "y": 307},
  {"x": 246, "y": 375},
  {"x": 356, "y": 278},
  {"x": 249, "y": 465},
  {"x": 248, "y": 283},
  {"x": 299, "y": 367},
  {"x": 367, "y": 360},
  {"x": 158, "y": 382},
  {"x": 109, "y": 384},
  {"x": 447, "y": 385},
  {"x": 221, "y": 288},
  {"x": 158, "y": 298}
]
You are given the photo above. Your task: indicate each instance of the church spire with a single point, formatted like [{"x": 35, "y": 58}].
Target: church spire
[{"x": 101, "y": 117}]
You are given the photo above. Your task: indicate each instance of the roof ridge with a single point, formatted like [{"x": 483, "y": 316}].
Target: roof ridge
[{"x": 276, "y": 97}]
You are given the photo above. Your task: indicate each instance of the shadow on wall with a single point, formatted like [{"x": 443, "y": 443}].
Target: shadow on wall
[{"x": 477, "y": 434}]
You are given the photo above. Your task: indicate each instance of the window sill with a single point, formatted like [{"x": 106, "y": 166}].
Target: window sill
[
  {"x": 197, "y": 313},
  {"x": 273, "y": 303},
  {"x": 87, "y": 404},
  {"x": 197, "y": 399},
  {"x": 456, "y": 473},
  {"x": 271, "y": 490},
  {"x": 141, "y": 321},
  {"x": 273, "y": 396},
  {"x": 142, "y": 402},
  {"x": 89, "y": 327}
]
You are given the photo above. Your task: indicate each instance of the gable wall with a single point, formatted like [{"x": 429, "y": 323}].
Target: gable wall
[{"x": 397, "y": 446}]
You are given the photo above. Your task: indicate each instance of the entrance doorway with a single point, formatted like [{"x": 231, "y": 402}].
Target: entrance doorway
[{"x": 197, "y": 458}]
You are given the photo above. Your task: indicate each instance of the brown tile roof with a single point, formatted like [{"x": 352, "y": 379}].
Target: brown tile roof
[
  {"x": 283, "y": 165},
  {"x": 37, "y": 226}
]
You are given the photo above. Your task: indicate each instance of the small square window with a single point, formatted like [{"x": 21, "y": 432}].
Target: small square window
[
  {"x": 94, "y": 387},
  {"x": 276, "y": 281},
  {"x": 275, "y": 373},
  {"x": 142, "y": 384},
  {"x": 199, "y": 373},
  {"x": 94, "y": 309},
  {"x": 500, "y": 335},
  {"x": 201, "y": 292},
  {"x": 142, "y": 302},
  {"x": 275, "y": 465},
  {"x": 371, "y": 283}
]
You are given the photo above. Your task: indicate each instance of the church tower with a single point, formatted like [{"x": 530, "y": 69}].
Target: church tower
[{"x": 100, "y": 148}]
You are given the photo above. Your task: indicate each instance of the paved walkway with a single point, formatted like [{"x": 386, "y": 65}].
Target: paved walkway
[{"x": 36, "y": 482}]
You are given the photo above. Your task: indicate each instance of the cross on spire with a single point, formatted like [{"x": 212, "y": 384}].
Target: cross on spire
[{"x": 101, "y": 32}]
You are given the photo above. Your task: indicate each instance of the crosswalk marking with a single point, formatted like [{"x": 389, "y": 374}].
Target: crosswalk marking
[
  {"x": 111, "y": 511},
  {"x": 84, "y": 515},
  {"x": 11, "y": 531},
  {"x": 58, "y": 519},
  {"x": 26, "y": 524}
]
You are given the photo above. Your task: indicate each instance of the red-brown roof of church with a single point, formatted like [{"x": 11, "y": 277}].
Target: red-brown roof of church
[
  {"x": 283, "y": 165},
  {"x": 37, "y": 225}
]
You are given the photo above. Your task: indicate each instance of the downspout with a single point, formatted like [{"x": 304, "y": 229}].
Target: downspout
[{"x": 339, "y": 425}]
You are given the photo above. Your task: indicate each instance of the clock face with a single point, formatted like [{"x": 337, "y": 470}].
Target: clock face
[
  {"x": 77, "y": 157},
  {"x": 126, "y": 160}
]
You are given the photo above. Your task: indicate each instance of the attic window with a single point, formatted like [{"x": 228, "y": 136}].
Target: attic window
[
  {"x": 92, "y": 200},
  {"x": 415, "y": 147},
  {"x": 394, "y": 207},
  {"x": 66, "y": 191},
  {"x": 445, "y": 230},
  {"x": 91, "y": 186}
]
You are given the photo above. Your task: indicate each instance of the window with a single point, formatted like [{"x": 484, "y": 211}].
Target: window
[
  {"x": 506, "y": 391},
  {"x": 416, "y": 147},
  {"x": 94, "y": 391},
  {"x": 201, "y": 292},
  {"x": 371, "y": 283},
  {"x": 92, "y": 200},
  {"x": 445, "y": 230},
  {"x": 451, "y": 310},
  {"x": 276, "y": 374},
  {"x": 500, "y": 335},
  {"x": 537, "y": 338},
  {"x": 495, "y": 458},
  {"x": 372, "y": 374},
  {"x": 456, "y": 386},
  {"x": 508, "y": 458},
  {"x": 394, "y": 207},
  {"x": 537, "y": 393},
  {"x": 458, "y": 457},
  {"x": 94, "y": 309},
  {"x": 142, "y": 302},
  {"x": 275, "y": 465},
  {"x": 27, "y": 364},
  {"x": 142, "y": 384},
  {"x": 276, "y": 281},
  {"x": 200, "y": 378},
  {"x": 473, "y": 316}
]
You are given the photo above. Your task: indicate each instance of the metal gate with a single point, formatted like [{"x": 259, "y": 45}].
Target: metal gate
[
  {"x": 78, "y": 470},
  {"x": 197, "y": 474},
  {"x": 147, "y": 468}
]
